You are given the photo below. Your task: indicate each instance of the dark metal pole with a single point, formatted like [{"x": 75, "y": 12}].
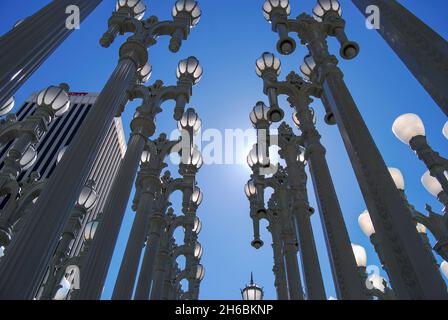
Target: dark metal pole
[
  {"x": 422, "y": 50},
  {"x": 30, "y": 43}
]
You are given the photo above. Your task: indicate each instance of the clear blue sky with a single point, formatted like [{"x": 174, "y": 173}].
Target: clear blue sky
[{"x": 228, "y": 39}]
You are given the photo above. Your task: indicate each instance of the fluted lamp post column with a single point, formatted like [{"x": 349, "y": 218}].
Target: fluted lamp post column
[
  {"x": 32, "y": 40},
  {"x": 422, "y": 50},
  {"x": 404, "y": 252}
]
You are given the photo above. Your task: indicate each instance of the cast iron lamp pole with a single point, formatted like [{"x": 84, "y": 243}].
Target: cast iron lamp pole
[
  {"x": 32, "y": 40},
  {"x": 142, "y": 127},
  {"x": 258, "y": 212},
  {"x": 348, "y": 285},
  {"x": 35, "y": 245},
  {"x": 294, "y": 156},
  {"x": 403, "y": 250},
  {"x": 422, "y": 50}
]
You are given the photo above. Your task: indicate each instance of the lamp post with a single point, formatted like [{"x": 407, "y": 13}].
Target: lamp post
[
  {"x": 421, "y": 49},
  {"x": 252, "y": 292},
  {"x": 34, "y": 246},
  {"x": 29, "y": 43},
  {"x": 294, "y": 156},
  {"x": 403, "y": 250},
  {"x": 409, "y": 128},
  {"x": 189, "y": 72},
  {"x": 338, "y": 242}
]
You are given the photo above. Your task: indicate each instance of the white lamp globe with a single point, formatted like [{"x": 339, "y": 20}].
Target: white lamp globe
[
  {"x": 62, "y": 293},
  {"x": 2, "y": 251},
  {"x": 360, "y": 255},
  {"x": 378, "y": 282},
  {"x": 397, "y": 176},
  {"x": 445, "y": 130},
  {"x": 444, "y": 268},
  {"x": 365, "y": 223},
  {"x": 431, "y": 184},
  {"x": 408, "y": 126}
]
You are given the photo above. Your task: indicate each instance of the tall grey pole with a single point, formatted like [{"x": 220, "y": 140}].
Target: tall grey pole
[
  {"x": 33, "y": 40},
  {"x": 422, "y": 50},
  {"x": 301, "y": 210},
  {"x": 279, "y": 264},
  {"x": 30, "y": 252}
]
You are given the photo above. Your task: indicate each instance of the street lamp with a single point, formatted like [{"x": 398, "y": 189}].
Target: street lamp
[
  {"x": 54, "y": 99},
  {"x": 409, "y": 128},
  {"x": 252, "y": 292},
  {"x": 268, "y": 66},
  {"x": 197, "y": 196},
  {"x": 28, "y": 158},
  {"x": 366, "y": 225},
  {"x": 190, "y": 69},
  {"x": 259, "y": 116},
  {"x": 145, "y": 72},
  {"x": 433, "y": 186},
  {"x": 7, "y": 107},
  {"x": 326, "y": 7},
  {"x": 398, "y": 178},
  {"x": 200, "y": 272},
  {"x": 188, "y": 9},
  {"x": 360, "y": 255}
]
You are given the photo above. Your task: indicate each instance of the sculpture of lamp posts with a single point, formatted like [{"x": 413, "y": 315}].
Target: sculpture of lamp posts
[
  {"x": 403, "y": 250},
  {"x": 189, "y": 72},
  {"x": 39, "y": 237},
  {"x": 338, "y": 242}
]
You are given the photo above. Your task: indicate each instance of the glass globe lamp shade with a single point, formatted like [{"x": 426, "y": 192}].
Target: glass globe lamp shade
[
  {"x": 250, "y": 189},
  {"x": 136, "y": 7},
  {"x": 189, "y": 8},
  {"x": 302, "y": 155},
  {"x": 431, "y": 184},
  {"x": 325, "y": 6},
  {"x": 408, "y": 126},
  {"x": 54, "y": 98},
  {"x": 308, "y": 66},
  {"x": 397, "y": 176},
  {"x": 360, "y": 255},
  {"x": 377, "y": 282},
  {"x": 146, "y": 156},
  {"x": 259, "y": 113},
  {"x": 444, "y": 268},
  {"x": 252, "y": 293},
  {"x": 90, "y": 230},
  {"x": 189, "y": 68},
  {"x": 88, "y": 197},
  {"x": 7, "y": 107},
  {"x": 445, "y": 130},
  {"x": 28, "y": 158},
  {"x": 194, "y": 159},
  {"x": 421, "y": 228},
  {"x": 198, "y": 251},
  {"x": 281, "y": 6},
  {"x": 200, "y": 272},
  {"x": 257, "y": 158},
  {"x": 190, "y": 121},
  {"x": 145, "y": 72},
  {"x": 197, "y": 225},
  {"x": 2, "y": 251},
  {"x": 197, "y": 196},
  {"x": 365, "y": 223},
  {"x": 268, "y": 62},
  {"x": 62, "y": 293}
]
